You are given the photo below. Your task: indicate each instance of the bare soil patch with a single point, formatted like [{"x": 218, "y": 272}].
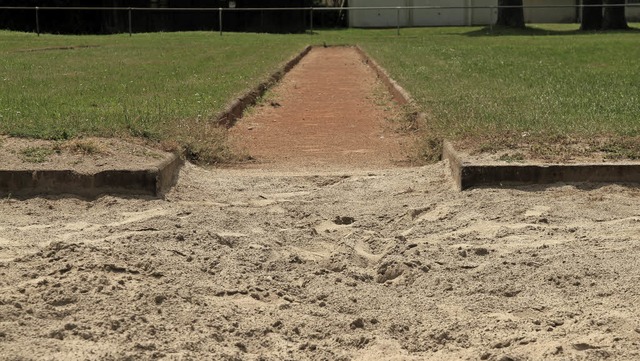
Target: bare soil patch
[
  {"x": 58, "y": 48},
  {"x": 329, "y": 112}
]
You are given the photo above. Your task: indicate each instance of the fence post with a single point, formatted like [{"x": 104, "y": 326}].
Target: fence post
[
  {"x": 130, "y": 26},
  {"x": 38, "y": 20},
  {"x": 220, "y": 19},
  {"x": 579, "y": 12},
  {"x": 491, "y": 19},
  {"x": 398, "y": 20},
  {"x": 311, "y": 21}
]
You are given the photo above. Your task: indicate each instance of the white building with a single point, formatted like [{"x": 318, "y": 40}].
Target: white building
[{"x": 468, "y": 12}]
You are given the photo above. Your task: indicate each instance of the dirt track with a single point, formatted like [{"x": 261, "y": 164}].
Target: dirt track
[
  {"x": 329, "y": 112},
  {"x": 384, "y": 265}
]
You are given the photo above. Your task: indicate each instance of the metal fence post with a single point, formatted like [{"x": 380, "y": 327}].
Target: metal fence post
[
  {"x": 311, "y": 21},
  {"x": 398, "y": 20},
  {"x": 579, "y": 12},
  {"x": 38, "y": 20},
  {"x": 220, "y": 19},
  {"x": 491, "y": 19},
  {"x": 130, "y": 25}
]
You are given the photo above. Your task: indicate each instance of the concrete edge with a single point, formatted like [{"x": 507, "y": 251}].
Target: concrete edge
[
  {"x": 168, "y": 172},
  {"x": 467, "y": 175},
  {"x": 400, "y": 95},
  {"x": 154, "y": 181},
  {"x": 455, "y": 163},
  {"x": 233, "y": 112}
]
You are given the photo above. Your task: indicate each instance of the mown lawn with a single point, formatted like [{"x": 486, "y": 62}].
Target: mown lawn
[
  {"x": 549, "y": 84},
  {"x": 164, "y": 86}
]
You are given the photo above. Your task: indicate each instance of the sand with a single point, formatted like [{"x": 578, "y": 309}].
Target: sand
[{"x": 352, "y": 265}]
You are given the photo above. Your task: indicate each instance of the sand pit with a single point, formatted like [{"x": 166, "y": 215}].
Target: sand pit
[{"x": 378, "y": 265}]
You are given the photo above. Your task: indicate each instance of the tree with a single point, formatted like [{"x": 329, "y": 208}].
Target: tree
[
  {"x": 614, "y": 16},
  {"x": 511, "y": 16},
  {"x": 591, "y": 15}
]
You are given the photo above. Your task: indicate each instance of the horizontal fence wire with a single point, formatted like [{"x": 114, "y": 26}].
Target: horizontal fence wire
[
  {"x": 432, "y": 7},
  {"x": 425, "y": 7}
]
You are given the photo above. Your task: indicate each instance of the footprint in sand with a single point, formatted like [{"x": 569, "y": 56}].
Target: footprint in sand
[
  {"x": 537, "y": 211},
  {"x": 133, "y": 217}
]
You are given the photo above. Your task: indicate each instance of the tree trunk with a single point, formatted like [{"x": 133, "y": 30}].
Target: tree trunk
[
  {"x": 591, "y": 16},
  {"x": 510, "y": 17},
  {"x": 614, "y": 17}
]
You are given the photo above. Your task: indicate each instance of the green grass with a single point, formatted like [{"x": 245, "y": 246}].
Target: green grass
[
  {"x": 36, "y": 154},
  {"x": 144, "y": 84},
  {"x": 485, "y": 89},
  {"x": 494, "y": 88},
  {"x": 165, "y": 86}
]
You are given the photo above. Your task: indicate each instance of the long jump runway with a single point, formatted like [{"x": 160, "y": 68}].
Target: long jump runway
[{"x": 329, "y": 112}]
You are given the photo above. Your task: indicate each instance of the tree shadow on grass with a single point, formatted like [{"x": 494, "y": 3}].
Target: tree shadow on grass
[{"x": 536, "y": 31}]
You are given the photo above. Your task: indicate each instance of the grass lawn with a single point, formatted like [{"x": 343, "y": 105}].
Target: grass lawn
[
  {"x": 546, "y": 87},
  {"x": 164, "y": 86}
]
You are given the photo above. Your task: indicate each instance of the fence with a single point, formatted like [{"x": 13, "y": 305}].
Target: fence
[{"x": 217, "y": 18}]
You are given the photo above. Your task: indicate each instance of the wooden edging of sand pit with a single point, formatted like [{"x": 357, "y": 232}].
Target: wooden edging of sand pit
[
  {"x": 152, "y": 181},
  {"x": 466, "y": 174}
]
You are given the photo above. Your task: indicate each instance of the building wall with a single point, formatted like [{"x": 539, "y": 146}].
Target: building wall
[
  {"x": 415, "y": 17},
  {"x": 440, "y": 17},
  {"x": 633, "y": 13},
  {"x": 377, "y": 18},
  {"x": 456, "y": 17}
]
